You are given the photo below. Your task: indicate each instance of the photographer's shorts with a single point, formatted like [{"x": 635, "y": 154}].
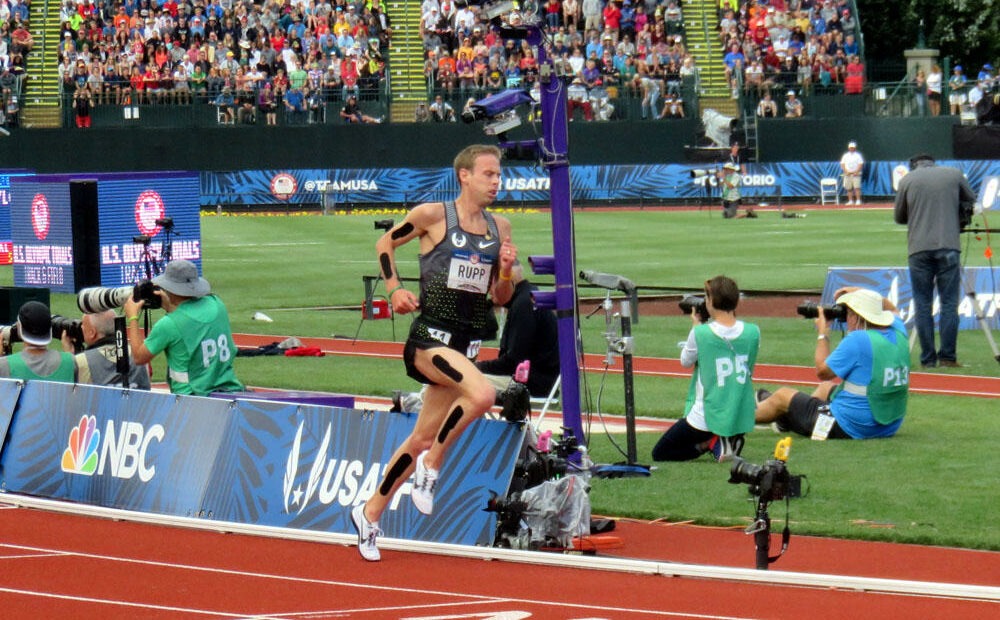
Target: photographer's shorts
[
  {"x": 802, "y": 414},
  {"x": 424, "y": 336}
]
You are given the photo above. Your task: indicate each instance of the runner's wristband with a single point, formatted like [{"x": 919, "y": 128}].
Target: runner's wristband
[{"x": 398, "y": 286}]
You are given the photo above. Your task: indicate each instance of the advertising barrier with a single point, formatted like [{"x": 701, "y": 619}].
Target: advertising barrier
[
  {"x": 529, "y": 183},
  {"x": 894, "y": 283},
  {"x": 241, "y": 461}
]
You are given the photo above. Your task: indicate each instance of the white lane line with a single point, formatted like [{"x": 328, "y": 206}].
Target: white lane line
[
  {"x": 101, "y": 601},
  {"x": 461, "y": 598}
]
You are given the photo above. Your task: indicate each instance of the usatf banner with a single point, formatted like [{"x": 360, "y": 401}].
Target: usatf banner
[
  {"x": 243, "y": 461},
  {"x": 894, "y": 283},
  {"x": 633, "y": 183}
]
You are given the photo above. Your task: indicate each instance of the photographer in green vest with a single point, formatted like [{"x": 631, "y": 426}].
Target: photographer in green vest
[
  {"x": 873, "y": 363},
  {"x": 720, "y": 404},
  {"x": 195, "y": 333},
  {"x": 36, "y": 360}
]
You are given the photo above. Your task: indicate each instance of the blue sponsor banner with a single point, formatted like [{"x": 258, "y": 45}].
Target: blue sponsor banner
[
  {"x": 305, "y": 467},
  {"x": 9, "y": 392},
  {"x": 244, "y": 461},
  {"x": 133, "y": 450},
  {"x": 894, "y": 283},
  {"x": 531, "y": 183}
]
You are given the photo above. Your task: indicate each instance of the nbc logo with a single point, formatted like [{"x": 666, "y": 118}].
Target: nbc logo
[
  {"x": 80, "y": 456},
  {"x": 125, "y": 451}
]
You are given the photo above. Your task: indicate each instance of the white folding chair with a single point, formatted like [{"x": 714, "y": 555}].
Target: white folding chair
[
  {"x": 545, "y": 403},
  {"x": 829, "y": 191}
]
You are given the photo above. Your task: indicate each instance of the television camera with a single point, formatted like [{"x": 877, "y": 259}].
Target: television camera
[
  {"x": 534, "y": 469},
  {"x": 498, "y": 110}
]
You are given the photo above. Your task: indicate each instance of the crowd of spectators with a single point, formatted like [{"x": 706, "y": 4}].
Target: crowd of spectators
[
  {"x": 609, "y": 49},
  {"x": 16, "y": 43},
  {"x": 249, "y": 58},
  {"x": 789, "y": 46}
]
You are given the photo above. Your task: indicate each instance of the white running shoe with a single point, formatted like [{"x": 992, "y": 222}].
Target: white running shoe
[
  {"x": 367, "y": 533},
  {"x": 424, "y": 481}
]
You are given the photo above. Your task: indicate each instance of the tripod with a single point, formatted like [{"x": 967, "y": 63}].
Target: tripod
[
  {"x": 761, "y": 530},
  {"x": 970, "y": 292}
]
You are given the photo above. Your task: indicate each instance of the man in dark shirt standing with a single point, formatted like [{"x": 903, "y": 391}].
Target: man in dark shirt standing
[{"x": 928, "y": 202}]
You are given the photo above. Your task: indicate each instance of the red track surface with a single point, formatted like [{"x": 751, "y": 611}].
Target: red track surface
[{"x": 83, "y": 567}]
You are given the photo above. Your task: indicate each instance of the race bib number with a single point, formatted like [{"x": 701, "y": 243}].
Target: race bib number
[
  {"x": 470, "y": 271},
  {"x": 440, "y": 335},
  {"x": 473, "y": 351},
  {"x": 824, "y": 423}
]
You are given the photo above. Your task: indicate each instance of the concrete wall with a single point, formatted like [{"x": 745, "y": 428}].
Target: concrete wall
[{"x": 412, "y": 145}]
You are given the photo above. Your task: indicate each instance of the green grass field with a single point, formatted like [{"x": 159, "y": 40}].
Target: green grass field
[{"x": 935, "y": 483}]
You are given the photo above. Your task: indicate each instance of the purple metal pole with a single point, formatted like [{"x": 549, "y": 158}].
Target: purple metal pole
[{"x": 554, "y": 151}]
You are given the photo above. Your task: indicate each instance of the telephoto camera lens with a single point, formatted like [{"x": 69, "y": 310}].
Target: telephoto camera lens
[
  {"x": 99, "y": 298},
  {"x": 832, "y": 312}
]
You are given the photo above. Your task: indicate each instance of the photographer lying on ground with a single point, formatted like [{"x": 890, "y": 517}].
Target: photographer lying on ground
[
  {"x": 98, "y": 363},
  {"x": 873, "y": 360},
  {"x": 195, "y": 333},
  {"x": 720, "y": 403}
]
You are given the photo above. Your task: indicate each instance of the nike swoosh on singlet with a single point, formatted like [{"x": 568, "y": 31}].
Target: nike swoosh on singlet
[{"x": 483, "y": 246}]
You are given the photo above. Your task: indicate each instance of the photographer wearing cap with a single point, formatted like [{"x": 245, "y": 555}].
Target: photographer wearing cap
[
  {"x": 873, "y": 361},
  {"x": 195, "y": 333},
  {"x": 98, "y": 363},
  {"x": 929, "y": 201},
  {"x": 720, "y": 403},
  {"x": 36, "y": 360}
]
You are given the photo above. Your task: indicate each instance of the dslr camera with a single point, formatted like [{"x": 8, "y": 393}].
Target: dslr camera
[
  {"x": 832, "y": 312},
  {"x": 768, "y": 482},
  {"x": 697, "y": 303},
  {"x": 9, "y": 334},
  {"x": 99, "y": 298}
]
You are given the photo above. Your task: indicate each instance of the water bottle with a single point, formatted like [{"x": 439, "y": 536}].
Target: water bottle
[{"x": 521, "y": 374}]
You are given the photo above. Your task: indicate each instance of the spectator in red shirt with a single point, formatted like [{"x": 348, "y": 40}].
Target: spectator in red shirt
[{"x": 612, "y": 17}]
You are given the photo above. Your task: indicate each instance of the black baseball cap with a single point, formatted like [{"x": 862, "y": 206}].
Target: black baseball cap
[{"x": 35, "y": 323}]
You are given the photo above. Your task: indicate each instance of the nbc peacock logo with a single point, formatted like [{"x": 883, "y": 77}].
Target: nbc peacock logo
[{"x": 80, "y": 456}]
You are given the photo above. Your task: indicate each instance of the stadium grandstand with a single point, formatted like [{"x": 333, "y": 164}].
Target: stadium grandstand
[{"x": 202, "y": 63}]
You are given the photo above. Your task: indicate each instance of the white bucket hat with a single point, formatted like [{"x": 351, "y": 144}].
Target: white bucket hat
[{"x": 868, "y": 305}]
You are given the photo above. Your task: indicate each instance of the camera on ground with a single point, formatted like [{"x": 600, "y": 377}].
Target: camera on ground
[
  {"x": 832, "y": 312},
  {"x": 696, "y": 303},
  {"x": 769, "y": 481}
]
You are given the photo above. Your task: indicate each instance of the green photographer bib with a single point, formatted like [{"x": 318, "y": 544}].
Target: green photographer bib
[{"x": 725, "y": 373}]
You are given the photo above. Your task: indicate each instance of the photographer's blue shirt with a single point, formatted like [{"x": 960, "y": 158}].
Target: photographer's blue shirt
[{"x": 852, "y": 361}]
